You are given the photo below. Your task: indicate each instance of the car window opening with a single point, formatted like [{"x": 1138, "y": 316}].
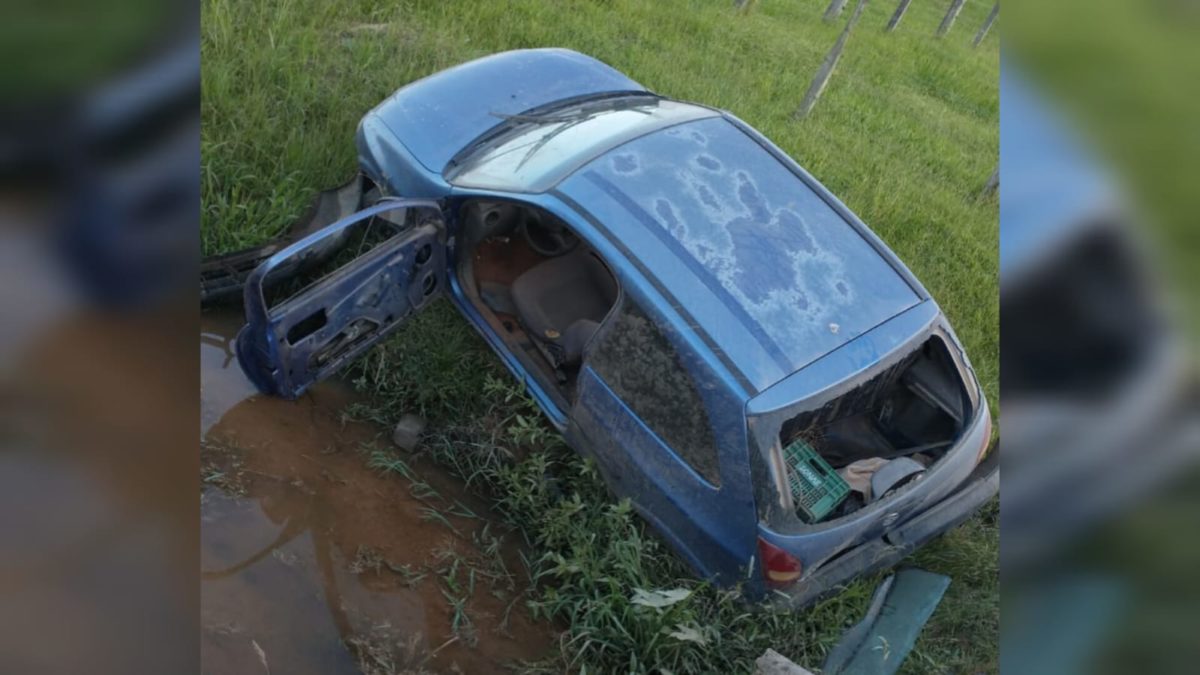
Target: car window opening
[
  {"x": 908, "y": 416},
  {"x": 540, "y": 288},
  {"x": 312, "y": 266}
]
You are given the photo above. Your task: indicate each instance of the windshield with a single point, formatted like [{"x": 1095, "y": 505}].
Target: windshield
[{"x": 532, "y": 152}]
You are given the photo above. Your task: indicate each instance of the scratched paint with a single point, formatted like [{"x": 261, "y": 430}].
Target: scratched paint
[{"x": 760, "y": 240}]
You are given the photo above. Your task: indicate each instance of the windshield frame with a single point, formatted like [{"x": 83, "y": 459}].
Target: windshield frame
[{"x": 516, "y": 124}]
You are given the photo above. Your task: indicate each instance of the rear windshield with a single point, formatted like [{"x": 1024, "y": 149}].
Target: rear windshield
[{"x": 533, "y": 152}]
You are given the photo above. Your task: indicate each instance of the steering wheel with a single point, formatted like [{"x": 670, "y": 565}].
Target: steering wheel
[{"x": 550, "y": 239}]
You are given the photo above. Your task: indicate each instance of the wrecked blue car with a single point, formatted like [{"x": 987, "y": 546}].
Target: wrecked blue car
[{"x": 743, "y": 359}]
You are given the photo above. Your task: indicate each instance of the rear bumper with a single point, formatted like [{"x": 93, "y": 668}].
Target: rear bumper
[{"x": 886, "y": 551}]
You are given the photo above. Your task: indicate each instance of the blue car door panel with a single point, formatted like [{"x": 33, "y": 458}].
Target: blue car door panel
[{"x": 287, "y": 347}]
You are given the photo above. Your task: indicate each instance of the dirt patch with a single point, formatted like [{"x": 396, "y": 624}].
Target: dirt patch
[{"x": 323, "y": 550}]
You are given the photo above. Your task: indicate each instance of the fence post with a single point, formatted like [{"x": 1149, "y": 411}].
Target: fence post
[
  {"x": 993, "y": 182},
  {"x": 835, "y": 9},
  {"x": 987, "y": 25},
  {"x": 951, "y": 14},
  {"x": 899, "y": 14},
  {"x": 827, "y": 66}
]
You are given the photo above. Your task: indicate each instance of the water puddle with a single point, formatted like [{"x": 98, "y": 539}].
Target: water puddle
[
  {"x": 312, "y": 562},
  {"x": 222, "y": 384}
]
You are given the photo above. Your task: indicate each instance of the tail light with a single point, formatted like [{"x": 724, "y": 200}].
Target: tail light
[{"x": 780, "y": 568}]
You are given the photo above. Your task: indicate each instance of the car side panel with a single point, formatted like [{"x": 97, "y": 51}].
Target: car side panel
[{"x": 712, "y": 526}]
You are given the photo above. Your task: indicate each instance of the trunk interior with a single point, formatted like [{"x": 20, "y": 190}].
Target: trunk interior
[{"x": 887, "y": 431}]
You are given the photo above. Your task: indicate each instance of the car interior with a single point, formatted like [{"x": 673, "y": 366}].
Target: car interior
[{"x": 540, "y": 287}]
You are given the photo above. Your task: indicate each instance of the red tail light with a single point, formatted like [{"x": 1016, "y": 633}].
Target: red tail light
[{"x": 780, "y": 568}]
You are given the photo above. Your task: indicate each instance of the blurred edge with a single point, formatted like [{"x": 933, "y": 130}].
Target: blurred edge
[
  {"x": 99, "y": 220},
  {"x": 1100, "y": 152}
]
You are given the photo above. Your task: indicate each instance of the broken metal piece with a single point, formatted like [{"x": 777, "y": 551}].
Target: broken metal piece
[{"x": 879, "y": 643}]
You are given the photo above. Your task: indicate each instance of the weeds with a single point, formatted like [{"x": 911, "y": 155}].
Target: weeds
[
  {"x": 222, "y": 466},
  {"x": 430, "y": 514},
  {"x": 458, "y": 591},
  {"x": 386, "y": 460},
  {"x": 423, "y": 491},
  {"x": 366, "y": 559},
  {"x": 383, "y": 652},
  {"x": 410, "y": 576}
]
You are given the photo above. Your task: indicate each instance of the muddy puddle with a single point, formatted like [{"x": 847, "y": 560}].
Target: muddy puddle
[{"x": 313, "y": 562}]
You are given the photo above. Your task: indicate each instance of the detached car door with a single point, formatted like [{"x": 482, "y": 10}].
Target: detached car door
[{"x": 392, "y": 262}]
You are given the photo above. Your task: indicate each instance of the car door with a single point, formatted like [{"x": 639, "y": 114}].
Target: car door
[{"x": 391, "y": 263}]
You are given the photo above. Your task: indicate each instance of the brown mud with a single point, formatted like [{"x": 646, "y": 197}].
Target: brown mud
[{"x": 316, "y": 559}]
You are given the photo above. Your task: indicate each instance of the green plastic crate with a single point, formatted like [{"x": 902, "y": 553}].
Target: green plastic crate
[{"x": 816, "y": 488}]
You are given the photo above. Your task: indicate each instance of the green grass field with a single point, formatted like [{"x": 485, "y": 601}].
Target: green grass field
[{"x": 906, "y": 134}]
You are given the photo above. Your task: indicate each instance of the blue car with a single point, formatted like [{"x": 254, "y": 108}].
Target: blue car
[{"x": 688, "y": 306}]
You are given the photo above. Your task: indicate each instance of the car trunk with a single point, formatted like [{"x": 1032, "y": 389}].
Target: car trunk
[{"x": 908, "y": 416}]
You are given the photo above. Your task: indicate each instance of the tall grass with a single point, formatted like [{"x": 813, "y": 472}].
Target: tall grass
[{"x": 905, "y": 134}]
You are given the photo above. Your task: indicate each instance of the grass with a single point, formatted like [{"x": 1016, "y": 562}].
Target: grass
[
  {"x": 1118, "y": 80},
  {"x": 906, "y": 134}
]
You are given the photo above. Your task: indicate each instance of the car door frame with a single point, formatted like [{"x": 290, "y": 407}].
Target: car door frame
[
  {"x": 558, "y": 416},
  {"x": 262, "y": 348}
]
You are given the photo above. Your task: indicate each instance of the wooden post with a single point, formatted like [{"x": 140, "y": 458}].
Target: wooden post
[
  {"x": 827, "y": 66},
  {"x": 987, "y": 25},
  {"x": 951, "y": 14},
  {"x": 835, "y": 9},
  {"x": 989, "y": 188},
  {"x": 899, "y": 14}
]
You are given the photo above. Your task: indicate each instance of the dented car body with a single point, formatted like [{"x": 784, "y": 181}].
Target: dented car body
[{"x": 679, "y": 296}]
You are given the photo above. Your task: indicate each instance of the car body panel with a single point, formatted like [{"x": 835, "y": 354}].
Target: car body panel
[
  {"x": 815, "y": 544},
  {"x": 763, "y": 263},
  {"x": 679, "y": 238},
  {"x": 532, "y": 156},
  {"x": 439, "y": 115},
  {"x": 830, "y": 376},
  {"x": 286, "y": 348},
  {"x": 707, "y": 523},
  {"x": 883, "y": 552},
  {"x": 833, "y": 376}
]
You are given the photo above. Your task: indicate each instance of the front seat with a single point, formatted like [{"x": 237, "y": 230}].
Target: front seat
[{"x": 562, "y": 301}]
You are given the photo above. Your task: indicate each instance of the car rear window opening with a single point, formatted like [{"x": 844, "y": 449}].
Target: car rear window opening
[{"x": 908, "y": 416}]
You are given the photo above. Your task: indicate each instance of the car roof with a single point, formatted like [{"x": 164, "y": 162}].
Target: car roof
[{"x": 762, "y": 262}]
